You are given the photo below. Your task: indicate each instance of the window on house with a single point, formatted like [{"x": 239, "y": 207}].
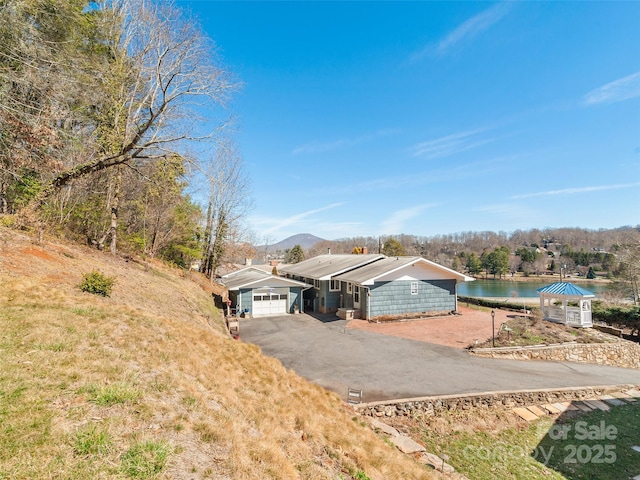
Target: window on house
[
  {"x": 356, "y": 294},
  {"x": 316, "y": 283},
  {"x": 414, "y": 288},
  {"x": 349, "y": 287},
  {"x": 334, "y": 285}
]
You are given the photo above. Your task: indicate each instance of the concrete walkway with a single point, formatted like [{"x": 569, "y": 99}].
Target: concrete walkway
[{"x": 386, "y": 367}]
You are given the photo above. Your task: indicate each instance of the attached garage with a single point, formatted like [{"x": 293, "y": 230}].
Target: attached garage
[
  {"x": 269, "y": 303},
  {"x": 254, "y": 292}
]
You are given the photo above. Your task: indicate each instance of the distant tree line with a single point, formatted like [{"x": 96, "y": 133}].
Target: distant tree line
[
  {"x": 612, "y": 253},
  {"x": 111, "y": 112}
]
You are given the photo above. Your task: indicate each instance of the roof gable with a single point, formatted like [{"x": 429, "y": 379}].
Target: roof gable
[
  {"x": 245, "y": 270},
  {"x": 397, "y": 268}
]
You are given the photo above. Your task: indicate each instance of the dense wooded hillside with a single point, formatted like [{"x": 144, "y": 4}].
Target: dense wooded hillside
[{"x": 110, "y": 111}]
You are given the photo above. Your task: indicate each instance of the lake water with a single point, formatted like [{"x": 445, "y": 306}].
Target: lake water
[{"x": 497, "y": 288}]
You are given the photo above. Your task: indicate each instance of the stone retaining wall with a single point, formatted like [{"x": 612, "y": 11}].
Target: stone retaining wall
[
  {"x": 430, "y": 406},
  {"x": 618, "y": 354}
]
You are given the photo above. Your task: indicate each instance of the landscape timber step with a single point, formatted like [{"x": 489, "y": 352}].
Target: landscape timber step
[
  {"x": 525, "y": 414},
  {"x": 551, "y": 409},
  {"x": 438, "y": 463},
  {"x": 564, "y": 406},
  {"x": 583, "y": 406},
  {"x": 616, "y": 402},
  {"x": 407, "y": 445},
  {"x": 537, "y": 411},
  {"x": 599, "y": 404},
  {"x": 383, "y": 427}
]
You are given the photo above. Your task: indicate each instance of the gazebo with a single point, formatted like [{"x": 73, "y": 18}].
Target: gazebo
[{"x": 552, "y": 295}]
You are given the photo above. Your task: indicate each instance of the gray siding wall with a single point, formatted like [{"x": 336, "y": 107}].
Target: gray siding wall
[
  {"x": 348, "y": 297},
  {"x": 329, "y": 301},
  {"x": 394, "y": 298},
  {"x": 295, "y": 298},
  {"x": 245, "y": 299},
  {"x": 333, "y": 298}
]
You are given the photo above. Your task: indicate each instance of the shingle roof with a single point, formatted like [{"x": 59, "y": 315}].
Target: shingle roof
[
  {"x": 566, "y": 289},
  {"x": 256, "y": 278},
  {"x": 323, "y": 267}
]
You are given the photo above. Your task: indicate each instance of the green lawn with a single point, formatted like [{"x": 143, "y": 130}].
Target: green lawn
[{"x": 595, "y": 445}]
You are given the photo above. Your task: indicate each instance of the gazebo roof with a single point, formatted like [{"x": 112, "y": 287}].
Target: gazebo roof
[{"x": 565, "y": 289}]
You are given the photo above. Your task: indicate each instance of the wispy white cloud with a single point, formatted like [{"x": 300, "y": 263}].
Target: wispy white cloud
[
  {"x": 276, "y": 224},
  {"x": 465, "y": 31},
  {"x": 576, "y": 190},
  {"x": 319, "y": 147},
  {"x": 478, "y": 169},
  {"x": 449, "y": 145},
  {"x": 622, "y": 89},
  {"x": 510, "y": 216},
  {"x": 396, "y": 222}
]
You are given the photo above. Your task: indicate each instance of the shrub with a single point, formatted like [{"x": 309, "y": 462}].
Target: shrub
[
  {"x": 97, "y": 283},
  {"x": 628, "y": 315}
]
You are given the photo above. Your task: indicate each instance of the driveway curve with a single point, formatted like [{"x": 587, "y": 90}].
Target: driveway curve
[{"x": 335, "y": 357}]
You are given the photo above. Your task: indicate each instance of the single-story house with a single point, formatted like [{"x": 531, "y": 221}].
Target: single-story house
[
  {"x": 253, "y": 291},
  {"x": 376, "y": 286},
  {"x": 397, "y": 287},
  {"x": 326, "y": 295}
]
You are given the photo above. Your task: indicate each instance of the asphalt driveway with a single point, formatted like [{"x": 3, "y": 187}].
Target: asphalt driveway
[{"x": 326, "y": 352}]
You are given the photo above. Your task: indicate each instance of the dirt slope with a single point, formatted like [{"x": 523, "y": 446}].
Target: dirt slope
[{"x": 147, "y": 384}]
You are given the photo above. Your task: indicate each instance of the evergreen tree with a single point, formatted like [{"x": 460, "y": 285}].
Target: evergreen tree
[
  {"x": 393, "y": 248},
  {"x": 474, "y": 264},
  {"x": 294, "y": 255}
]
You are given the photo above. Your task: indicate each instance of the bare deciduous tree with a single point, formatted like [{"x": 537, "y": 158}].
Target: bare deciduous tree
[
  {"x": 168, "y": 77},
  {"x": 228, "y": 203},
  {"x": 630, "y": 269}
]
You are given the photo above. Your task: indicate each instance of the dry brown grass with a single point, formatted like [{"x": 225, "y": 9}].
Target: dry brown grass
[
  {"x": 153, "y": 362},
  {"x": 489, "y": 420},
  {"x": 535, "y": 331}
]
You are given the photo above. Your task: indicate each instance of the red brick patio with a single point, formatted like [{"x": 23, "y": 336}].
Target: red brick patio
[{"x": 452, "y": 330}]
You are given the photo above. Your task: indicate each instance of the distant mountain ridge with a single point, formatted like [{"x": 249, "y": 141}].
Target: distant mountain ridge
[{"x": 305, "y": 240}]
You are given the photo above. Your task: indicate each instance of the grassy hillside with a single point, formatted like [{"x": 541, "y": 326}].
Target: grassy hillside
[{"x": 147, "y": 384}]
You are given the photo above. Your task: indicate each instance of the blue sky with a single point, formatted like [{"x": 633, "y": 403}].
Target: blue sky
[{"x": 427, "y": 118}]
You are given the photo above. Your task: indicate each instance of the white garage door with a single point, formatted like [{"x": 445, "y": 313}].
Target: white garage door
[{"x": 269, "y": 303}]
